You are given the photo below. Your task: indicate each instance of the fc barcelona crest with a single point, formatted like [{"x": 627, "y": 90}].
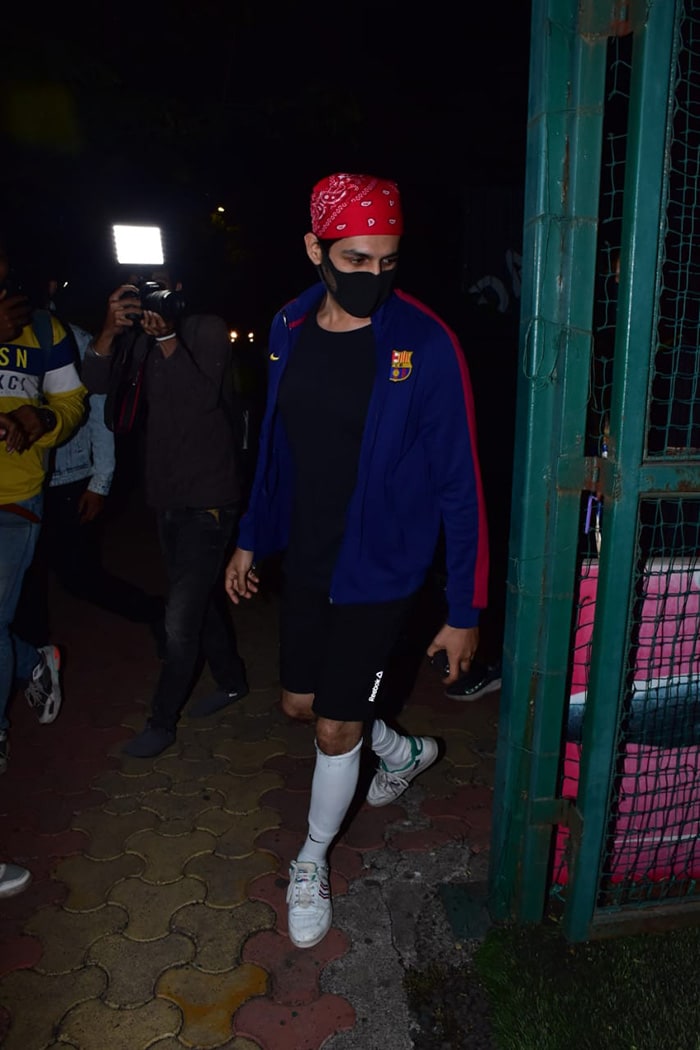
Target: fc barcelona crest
[{"x": 401, "y": 365}]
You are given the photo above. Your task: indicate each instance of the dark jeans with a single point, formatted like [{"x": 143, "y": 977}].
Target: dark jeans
[
  {"x": 195, "y": 545},
  {"x": 73, "y": 551}
]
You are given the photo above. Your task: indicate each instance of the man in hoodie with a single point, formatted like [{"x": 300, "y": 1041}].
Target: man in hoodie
[{"x": 367, "y": 450}]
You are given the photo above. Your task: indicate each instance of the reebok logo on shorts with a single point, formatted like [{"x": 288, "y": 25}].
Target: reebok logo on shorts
[{"x": 375, "y": 687}]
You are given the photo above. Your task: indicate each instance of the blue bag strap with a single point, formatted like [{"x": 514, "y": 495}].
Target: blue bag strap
[{"x": 43, "y": 329}]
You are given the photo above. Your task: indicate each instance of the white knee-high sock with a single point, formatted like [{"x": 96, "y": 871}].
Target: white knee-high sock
[
  {"x": 393, "y": 749},
  {"x": 332, "y": 789}
]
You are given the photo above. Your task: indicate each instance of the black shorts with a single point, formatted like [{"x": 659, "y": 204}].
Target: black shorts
[{"x": 337, "y": 652}]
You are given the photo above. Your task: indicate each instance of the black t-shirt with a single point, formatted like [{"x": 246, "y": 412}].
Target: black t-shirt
[{"x": 323, "y": 399}]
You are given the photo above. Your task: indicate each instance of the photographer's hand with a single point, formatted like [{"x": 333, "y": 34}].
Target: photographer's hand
[
  {"x": 162, "y": 330},
  {"x": 120, "y": 306},
  {"x": 15, "y": 313}
]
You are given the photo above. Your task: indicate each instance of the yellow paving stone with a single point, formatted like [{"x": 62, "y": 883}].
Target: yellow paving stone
[
  {"x": 89, "y": 881},
  {"x": 36, "y": 1001},
  {"x": 238, "y": 1043},
  {"x": 177, "y": 770},
  {"x": 248, "y": 730},
  {"x": 150, "y": 905},
  {"x": 108, "y": 832},
  {"x": 296, "y": 739},
  {"x": 227, "y": 880},
  {"x": 116, "y": 784},
  {"x": 182, "y": 807},
  {"x": 258, "y": 702},
  {"x": 249, "y": 757},
  {"x": 121, "y": 806},
  {"x": 166, "y": 856},
  {"x": 96, "y": 1026},
  {"x": 66, "y": 936},
  {"x": 195, "y": 786},
  {"x": 460, "y": 751},
  {"x": 219, "y": 933},
  {"x": 240, "y": 838},
  {"x": 209, "y": 1001},
  {"x": 242, "y": 794},
  {"x": 234, "y": 830},
  {"x": 175, "y": 828},
  {"x": 134, "y": 966},
  {"x": 196, "y": 747}
]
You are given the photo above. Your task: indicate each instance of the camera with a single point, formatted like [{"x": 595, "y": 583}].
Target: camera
[{"x": 170, "y": 305}]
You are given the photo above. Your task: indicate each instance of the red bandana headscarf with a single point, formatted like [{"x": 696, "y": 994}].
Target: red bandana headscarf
[{"x": 353, "y": 205}]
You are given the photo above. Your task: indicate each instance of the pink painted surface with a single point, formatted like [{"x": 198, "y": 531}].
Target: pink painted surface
[{"x": 657, "y": 830}]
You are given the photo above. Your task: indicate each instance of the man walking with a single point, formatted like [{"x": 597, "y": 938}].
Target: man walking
[
  {"x": 367, "y": 450},
  {"x": 191, "y": 478}
]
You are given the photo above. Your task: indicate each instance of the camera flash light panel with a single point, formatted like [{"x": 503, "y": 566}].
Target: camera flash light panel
[{"x": 138, "y": 245}]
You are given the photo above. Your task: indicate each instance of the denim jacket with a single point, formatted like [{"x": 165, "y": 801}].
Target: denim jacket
[{"x": 90, "y": 452}]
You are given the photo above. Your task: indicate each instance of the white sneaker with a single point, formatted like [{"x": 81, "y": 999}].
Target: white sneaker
[
  {"x": 44, "y": 690},
  {"x": 13, "y": 879},
  {"x": 310, "y": 912},
  {"x": 387, "y": 785}
]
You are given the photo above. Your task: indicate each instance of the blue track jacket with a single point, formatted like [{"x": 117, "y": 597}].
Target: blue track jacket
[{"x": 418, "y": 465}]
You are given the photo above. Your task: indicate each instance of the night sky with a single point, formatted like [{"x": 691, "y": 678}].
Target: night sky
[{"x": 160, "y": 113}]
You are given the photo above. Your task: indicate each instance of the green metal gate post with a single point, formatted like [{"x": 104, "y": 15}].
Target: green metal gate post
[
  {"x": 567, "y": 83},
  {"x": 645, "y": 195}
]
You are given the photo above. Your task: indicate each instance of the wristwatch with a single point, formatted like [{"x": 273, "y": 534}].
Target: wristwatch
[{"x": 48, "y": 419}]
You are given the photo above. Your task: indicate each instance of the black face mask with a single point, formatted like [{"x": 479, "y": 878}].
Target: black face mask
[{"x": 359, "y": 294}]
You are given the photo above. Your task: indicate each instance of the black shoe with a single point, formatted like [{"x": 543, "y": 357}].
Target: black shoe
[
  {"x": 479, "y": 679},
  {"x": 151, "y": 741},
  {"x": 209, "y": 705}
]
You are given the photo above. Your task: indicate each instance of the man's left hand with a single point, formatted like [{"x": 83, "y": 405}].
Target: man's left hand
[
  {"x": 460, "y": 644},
  {"x": 90, "y": 505},
  {"x": 155, "y": 325}
]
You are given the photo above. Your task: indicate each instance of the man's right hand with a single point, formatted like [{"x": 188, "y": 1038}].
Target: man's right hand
[
  {"x": 240, "y": 578},
  {"x": 13, "y": 434},
  {"x": 120, "y": 305},
  {"x": 15, "y": 313}
]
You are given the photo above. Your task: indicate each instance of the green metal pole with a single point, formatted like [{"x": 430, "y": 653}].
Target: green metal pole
[
  {"x": 567, "y": 79},
  {"x": 642, "y": 232}
]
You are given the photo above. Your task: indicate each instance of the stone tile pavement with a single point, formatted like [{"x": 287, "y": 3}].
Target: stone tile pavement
[{"x": 156, "y": 917}]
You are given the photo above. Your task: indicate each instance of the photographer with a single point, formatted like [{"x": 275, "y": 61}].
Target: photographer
[{"x": 191, "y": 480}]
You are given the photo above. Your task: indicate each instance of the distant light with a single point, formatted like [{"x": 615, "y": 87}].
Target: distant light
[
  {"x": 221, "y": 209},
  {"x": 138, "y": 245},
  {"x": 251, "y": 336},
  {"x": 233, "y": 336},
  {"x": 65, "y": 284}
]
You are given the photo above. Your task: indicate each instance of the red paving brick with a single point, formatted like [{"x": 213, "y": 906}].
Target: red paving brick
[
  {"x": 307, "y": 1027},
  {"x": 295, "y": 974}
]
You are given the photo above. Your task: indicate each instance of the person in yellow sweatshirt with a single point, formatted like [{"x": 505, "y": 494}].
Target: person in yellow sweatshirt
[{"x": 42, "y": 401}]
